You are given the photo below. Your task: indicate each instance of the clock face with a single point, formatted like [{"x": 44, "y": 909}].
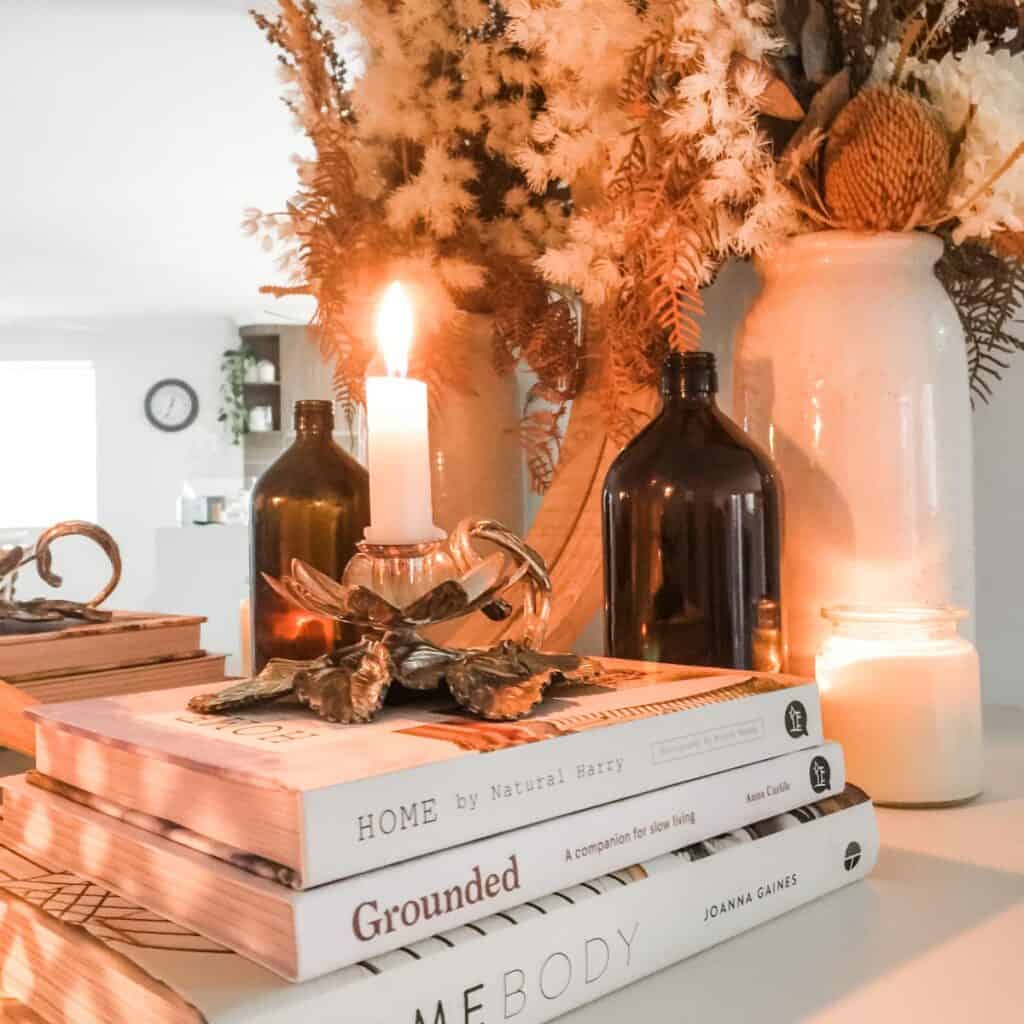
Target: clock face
[{"x": 171, "y": 405}]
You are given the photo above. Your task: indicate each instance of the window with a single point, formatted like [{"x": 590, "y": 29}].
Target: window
[{"x": 47, "y": 441}]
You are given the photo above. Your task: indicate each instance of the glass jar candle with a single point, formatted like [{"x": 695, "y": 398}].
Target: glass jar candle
[{"x": 900, "y": 691}]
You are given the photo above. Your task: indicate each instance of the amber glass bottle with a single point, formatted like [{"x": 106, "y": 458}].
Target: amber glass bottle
[
  {"x": 691, "y": 535},
  {"x": 313, "y": 503}
]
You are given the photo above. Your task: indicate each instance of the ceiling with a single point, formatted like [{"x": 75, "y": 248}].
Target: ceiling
[{"x": 133, "y": 133}]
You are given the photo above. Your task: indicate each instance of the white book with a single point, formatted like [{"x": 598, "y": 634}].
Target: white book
[
  {"x": 328, "y": 801},
  {"x": 301, "y": 935},
  {"x": 78, "y": 954}
]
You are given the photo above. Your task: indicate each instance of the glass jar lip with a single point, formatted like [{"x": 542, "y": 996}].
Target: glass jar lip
[{"x": 895, "y": 614}]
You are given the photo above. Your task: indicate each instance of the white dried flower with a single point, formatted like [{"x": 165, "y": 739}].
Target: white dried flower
[
  {"x": 991, "y": 84},
  {"x": 460, "y": 275}
]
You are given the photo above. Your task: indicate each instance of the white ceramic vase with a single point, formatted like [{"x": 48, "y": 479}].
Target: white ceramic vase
[
  {"x": 476, "y": 458},
  {"x": 851, "y": 370}
]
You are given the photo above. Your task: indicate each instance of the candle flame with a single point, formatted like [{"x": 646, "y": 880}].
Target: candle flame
[{"x": 394, "y": 328}]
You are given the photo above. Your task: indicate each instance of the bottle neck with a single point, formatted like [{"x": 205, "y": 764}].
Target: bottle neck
[
  {"x": 314, "y": 422},
  {"x": 689, "y": 400},
  {"x": 690, "y": 380}
]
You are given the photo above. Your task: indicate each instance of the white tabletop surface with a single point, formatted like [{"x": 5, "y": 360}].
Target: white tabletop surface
[{"x": 935, "y": 934}]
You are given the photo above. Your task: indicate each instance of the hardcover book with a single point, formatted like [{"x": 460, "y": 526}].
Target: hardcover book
[
  {"x": 152, "y": 674},
  {"x": 77, "y": 953},
  {"x": 130, "y": 637},
  {"x": 330, "y": 801},
  {"x": 239, "y": 901},
  {"x": 132, "y": 653}
]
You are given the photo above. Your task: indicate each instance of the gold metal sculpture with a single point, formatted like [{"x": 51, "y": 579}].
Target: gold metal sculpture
[
  {"x": 390, "y": 593},
  {"x": 43, "y": 613}
]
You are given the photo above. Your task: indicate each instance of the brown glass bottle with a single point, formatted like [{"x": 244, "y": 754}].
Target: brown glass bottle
[
  {"x": 691, "y": 517},
  {"x": 313, "y": 503}
]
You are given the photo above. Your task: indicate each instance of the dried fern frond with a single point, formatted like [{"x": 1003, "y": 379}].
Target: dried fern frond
[
  {"x": 540, "y": 434},
  {"x": 641, "y": 72},
  {"x": 539, "y": 327},
  {"x": 633, "y": 357},
  {"x": 534, "y": 324},
  {"x": 988, "y": 292}
]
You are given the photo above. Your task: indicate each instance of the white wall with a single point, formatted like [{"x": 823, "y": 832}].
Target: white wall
[
  {"x": 135, "y": 133},
  {"x": 999, "y": 524},
  {"x": 141, "y": 469}
]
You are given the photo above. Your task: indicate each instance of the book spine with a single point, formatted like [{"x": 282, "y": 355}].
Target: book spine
[
  {"x": 358, "y": 826},
  {"x": 348, "y": 921},
  {"x": 339, "y": 924},
  {"x": 575, "y": 947}
]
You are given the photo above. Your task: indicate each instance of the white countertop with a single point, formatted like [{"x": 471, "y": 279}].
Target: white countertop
[{"x": 935, "y": 934}]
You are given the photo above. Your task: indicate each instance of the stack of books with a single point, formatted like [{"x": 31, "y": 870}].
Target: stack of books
[
  {"x": 132, "y": 653},
  {"x": 425, "y": 869}
]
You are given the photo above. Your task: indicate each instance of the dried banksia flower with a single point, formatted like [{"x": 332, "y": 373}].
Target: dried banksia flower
[{"x": 886, "y": 162}]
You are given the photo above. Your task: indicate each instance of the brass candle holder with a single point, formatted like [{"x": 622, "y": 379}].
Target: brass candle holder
[{"x": 391, "y": 592}]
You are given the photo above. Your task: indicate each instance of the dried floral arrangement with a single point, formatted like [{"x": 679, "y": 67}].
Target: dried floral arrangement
[
  {"x": 412, "y": 176},
  {"x": 919, "y": 125},
  {"x": 531, "y": 158}
]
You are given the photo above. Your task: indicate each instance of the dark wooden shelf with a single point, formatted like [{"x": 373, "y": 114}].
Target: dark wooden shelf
[{"x": 264, "y": 344}]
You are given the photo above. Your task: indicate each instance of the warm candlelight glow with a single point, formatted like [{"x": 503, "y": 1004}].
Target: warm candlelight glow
[
  {"x": 300, "y": 625},
  {"x": 394, "y": 326},
  {"x": 899, "y": 689}
]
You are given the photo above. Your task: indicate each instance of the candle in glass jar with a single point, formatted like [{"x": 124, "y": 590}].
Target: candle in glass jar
[
  {"x": 900, "y": 691},
  {"x": 398, "y": 442}
]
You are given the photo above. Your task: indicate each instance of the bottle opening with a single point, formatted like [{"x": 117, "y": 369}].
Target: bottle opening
[
  {"x": 690, "y": 374},
  {"x": 314, "y": 416}
]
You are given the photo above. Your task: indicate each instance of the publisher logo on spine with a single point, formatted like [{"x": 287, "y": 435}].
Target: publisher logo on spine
[
  {"x": 796, "y": 719},
  {"x": 821, "y": 774},
  {"x": 851, "y": 858}
]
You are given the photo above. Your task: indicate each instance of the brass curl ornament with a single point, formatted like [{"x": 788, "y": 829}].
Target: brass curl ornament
[{"x": 50, "y": 610}]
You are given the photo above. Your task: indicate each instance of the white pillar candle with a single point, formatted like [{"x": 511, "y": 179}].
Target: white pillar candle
[
  {"x": 245, "y": 636},
  {"x": 900, "y": 691},
  {"x": 398, "y": 443}
]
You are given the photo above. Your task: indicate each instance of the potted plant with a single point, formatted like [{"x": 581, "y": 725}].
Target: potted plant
[{"x": 234, "y": 414}]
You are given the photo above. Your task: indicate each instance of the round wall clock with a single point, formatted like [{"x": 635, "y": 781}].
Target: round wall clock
[{"x": 171, "y": 405}]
